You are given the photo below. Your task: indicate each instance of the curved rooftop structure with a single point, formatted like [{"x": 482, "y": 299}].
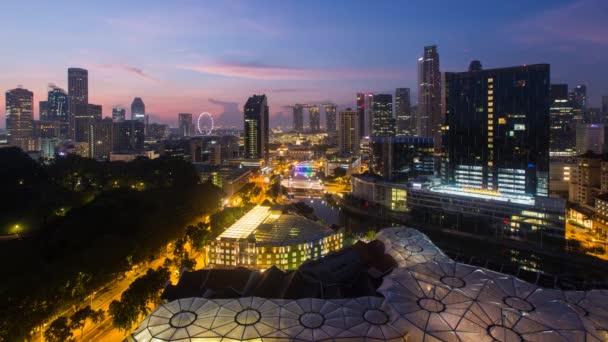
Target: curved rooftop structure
[{"x": 428, "y": 297}]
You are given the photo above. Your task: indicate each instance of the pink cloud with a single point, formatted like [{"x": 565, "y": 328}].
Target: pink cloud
[
  {"x": 582, "y": 21},
  {"x": 267, "y": 72}
]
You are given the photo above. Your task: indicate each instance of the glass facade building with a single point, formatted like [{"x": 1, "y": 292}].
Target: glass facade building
[
  {"x": 562, "y": 123},
  {"x": 403, "y": 158},
  {"x": 406, "y": 122},
  {"x": 497, "y": 130},
  {"x": 256, "y": 127},
  {"x": 383, "y": 123}
]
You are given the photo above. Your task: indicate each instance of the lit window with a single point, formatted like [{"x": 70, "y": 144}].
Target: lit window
[{"x": 502, "y": 121}]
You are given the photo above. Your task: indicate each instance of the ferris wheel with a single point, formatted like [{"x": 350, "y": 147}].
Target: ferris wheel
[{"x": 204, "y": 124}]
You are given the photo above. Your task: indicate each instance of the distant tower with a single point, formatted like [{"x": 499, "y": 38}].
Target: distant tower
[
  {"x": 256, "y": 113},
  {"x": 314, "y": 113},
  {"x": 43, "y": 111},
  {"x": 118, "y": 114},
  {"x": 349, "y": 136},
  {"x": 57, "y": 104},
  {"x": 330, "y": 118},
  {"x": 95, "y": 111},
  {"x": 361, "y": 110},
  {"x": 20, "y": 118},
  {"x": 383, "y": 124},
  {"x": 298, "y": 118},
  {"x": 185, "y": 125},
  {"x": 138, "y": 109},
  {"x": 78, "y": 97},
  {"x": 406, "y": 126},
  {"x": 430, "y": 118}
]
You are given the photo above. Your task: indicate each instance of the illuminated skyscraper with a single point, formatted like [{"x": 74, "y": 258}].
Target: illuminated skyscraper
[
  {"x": 383, "y": 123},
  {"x": 43, "y": 110},
  {"x": 20, "y": 118},
  {"x": 57, "y": 104},
  {"x": 78, "y": 97},
  {"x": 562, "y": 125},
  {"x": 330, "y": 118},
  {"x": 118, "y": 114},
  {"x": 429, "y": 118},
  {"x": 256, "y": 113},
  {"x": 185, "y": 124},
  {"x": 348, "y": 131},
  {"x": 95, "y": 111},
  {"x": 101, "y": 138},
  {"x": 314, "y": 115},
  {"x": 361, "y": 110},
  {"x": 128, "y": 135},
  {"x": 298, "y": 118},
  {"x": 498, "y": 129},
  {"x": 138, "y": 109},
  {"x": 406, "y": 124}
]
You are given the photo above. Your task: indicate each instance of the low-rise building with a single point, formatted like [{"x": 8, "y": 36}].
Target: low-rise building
[{"x": 269, "y": 236}]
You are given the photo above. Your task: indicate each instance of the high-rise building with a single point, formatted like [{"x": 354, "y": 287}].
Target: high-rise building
[
  {"x": 298, "y": 118},
  {"x": 101, "y": 138},
  {"x": 591, "y": 137},
  {"x": 128, "y": 135},
  {"x": 78, "y": 97},
  {"x": 138, "y": 109},
  {"x": 158, "y": 132},
  {"x": 95, "y": 111},
  {"x": 57, "y": 104},
  {"x": 314, "y": 116},
  {"x": 330, "y": 118},
  {"x": 429, "y": 117},
  {"x": 383, "y": 123},
  {"x": 118, "y": 114},
  {"x": 561, "y": 119},
  {"x": 402, "y": 158},
  {"x": 361, "y": 110},
  {"x": 43, "y": 110},
  {"x": 578, "y": 96},
  {"x": 406, "y": 124},
  {"x": 256, "y": 127},
  {"x": 605, "y": 105},
  {"x": 498, "y": 130},
  {"x": 349, "y": 137},
  {"x": 368, "y": 114},
  {"x": 20, "y": 118},
  {"x": 185, "y": 124}
]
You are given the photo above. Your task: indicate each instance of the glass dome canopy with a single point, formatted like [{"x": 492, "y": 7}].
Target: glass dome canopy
[{"x": 428, "y": 298}]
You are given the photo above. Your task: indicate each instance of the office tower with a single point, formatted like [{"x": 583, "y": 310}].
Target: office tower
[
  {"x": 314, "y": 116},
  {"x": 100, "y": 139},
  {"x": 605, "y": 105},
  {"x": 298, "y": 118},
  {"x": 349, "y": 136},
  {"x": 406, "y": 124},
  {"x": 561, "y": 121},
  {"x": 498, "y": 129},
  {"x": 402, "y": 158},
  {"x": 95, "y": 111},
  {"x": 361, "y": 110},
  {"x": 128, "y": 135},
  {"x": 330, "y": 118},
  {"x": 594, "y": 116},
  {"x": 256, "y": 127},
  {"x": 57, "y": 104},
  {"x": 383, "y": 123},
  {"x": 78, "y": 100},
  {"x": 368, "y": 114},
  {"x": 43, "y": 111},
  {"x": 47, "y": 129},
  {"x": 138, "y": 109},
  {"x": 20, "y": 118},
  {"x": 185, "y": 125},
  {"x": 578, "y": 96},
  {"x": 118, "y": 114},
  {"x": 591, "y": 137},
  {"x": 430, "y": 117},
  {"x": 158, "y": 131}
]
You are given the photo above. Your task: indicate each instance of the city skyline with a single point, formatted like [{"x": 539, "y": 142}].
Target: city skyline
[{"x": 211, "y": 57}]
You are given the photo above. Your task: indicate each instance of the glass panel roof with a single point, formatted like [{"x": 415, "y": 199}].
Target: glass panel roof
[{"x": 428, "y": 298}]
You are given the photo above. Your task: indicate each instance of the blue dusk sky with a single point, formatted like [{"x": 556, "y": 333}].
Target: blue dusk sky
[{"x": 195, "y": 56}]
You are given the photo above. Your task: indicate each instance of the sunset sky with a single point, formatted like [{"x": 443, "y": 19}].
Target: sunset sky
[{"x": 195, "y": 56}]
